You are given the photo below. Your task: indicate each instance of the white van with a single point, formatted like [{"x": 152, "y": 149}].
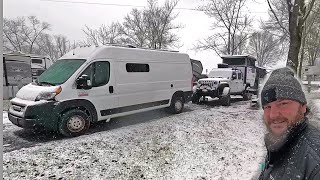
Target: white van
[{"x": 92, "y": 84}]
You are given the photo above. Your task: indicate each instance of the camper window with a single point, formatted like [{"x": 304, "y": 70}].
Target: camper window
[
  {"x": 135, "y": 67},
  {"x": 37, "y": 61}
]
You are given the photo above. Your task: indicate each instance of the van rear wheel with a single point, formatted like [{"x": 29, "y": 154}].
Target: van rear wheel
[
  {"x": 177, "y": 105},
  {"x": 74, "y": 123}
]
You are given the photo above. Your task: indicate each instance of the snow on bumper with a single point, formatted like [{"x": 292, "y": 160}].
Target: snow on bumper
[{"x": 29, "y": 114}]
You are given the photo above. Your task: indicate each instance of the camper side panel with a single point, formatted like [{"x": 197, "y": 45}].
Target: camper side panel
[{"x": 155, "y": 87}]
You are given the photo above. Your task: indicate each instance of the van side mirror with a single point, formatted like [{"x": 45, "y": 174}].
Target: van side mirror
[{"x": 84, "y": 82}]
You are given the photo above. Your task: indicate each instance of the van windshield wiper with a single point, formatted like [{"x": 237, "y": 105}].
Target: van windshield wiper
[{"x": 47, "y": 83}]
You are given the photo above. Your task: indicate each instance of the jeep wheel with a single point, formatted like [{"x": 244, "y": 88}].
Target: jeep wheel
[
  {"x": 74, "y": 123},
  {"x": 245, "y": 95},
  {"x": 195, "y": 99},
  {"x": 225, "y": 100},
  {"x": 177, "y": 105}
]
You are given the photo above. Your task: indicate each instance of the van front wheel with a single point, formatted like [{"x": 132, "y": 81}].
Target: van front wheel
[
  {"x": 74, "y": 123},
  {"x": 177, "y": 105}
]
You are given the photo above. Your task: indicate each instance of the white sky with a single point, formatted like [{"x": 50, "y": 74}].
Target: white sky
[{"x": 69, "y": 19}]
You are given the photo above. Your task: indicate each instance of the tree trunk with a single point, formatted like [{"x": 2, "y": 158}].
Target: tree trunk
[
  {"x": 229, "y": 42},
  {"x": 295, "y": 28},
  {"x": 302, "y": 52},
  {"x": 295, "y": 36}
]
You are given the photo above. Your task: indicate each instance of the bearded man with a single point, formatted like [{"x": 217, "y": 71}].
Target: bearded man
[{"x": 293, "y": 145}]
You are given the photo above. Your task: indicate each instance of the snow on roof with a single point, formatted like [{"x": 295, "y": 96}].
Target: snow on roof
[
  {"x": 123, "y": 53},
  {"x": 237, "y": 56}
]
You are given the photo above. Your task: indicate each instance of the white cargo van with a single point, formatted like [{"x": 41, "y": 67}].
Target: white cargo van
[{"x": 92, "y": 84}]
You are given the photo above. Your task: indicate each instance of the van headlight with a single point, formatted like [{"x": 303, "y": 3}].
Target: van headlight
[{"x": 48, "y": 95}]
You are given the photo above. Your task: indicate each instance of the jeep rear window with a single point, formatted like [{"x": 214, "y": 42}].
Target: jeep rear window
[{"x": 60, "y": 71}]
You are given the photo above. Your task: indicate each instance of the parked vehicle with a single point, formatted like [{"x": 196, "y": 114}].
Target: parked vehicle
[
  {"x": 38, "y": 65},
  {"x": 16, "y": 73},
  {"x": 237, "y": 75},
  {"x": 197, "y": 69},
  {"x": 92, "y": 84}
]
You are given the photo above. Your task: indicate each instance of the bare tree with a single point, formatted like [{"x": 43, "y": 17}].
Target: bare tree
[
  {"x": 103, "y": 35},
  {"x": 21, "y": 34},
  {"x": 53, "y": 46},
  {"x": 13, "y": 38},
  {"x": 152, "y": 27},
  {"x": 312, "y": 38},
  {"x": 298, "y": 11},
  {"x": 230, "y": 23},
  {"x": 135, "y": 29},
  {"x": 31, "y": 36},
  {"x": 159, "y": 21},
  {"x": 265, "y": 47}
]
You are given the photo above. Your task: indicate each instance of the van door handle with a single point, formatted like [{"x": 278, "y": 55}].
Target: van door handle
[{"x": 111, "y": 89}]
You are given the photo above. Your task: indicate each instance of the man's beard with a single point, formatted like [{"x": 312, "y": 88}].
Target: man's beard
[{"x": 275, "y": 142}]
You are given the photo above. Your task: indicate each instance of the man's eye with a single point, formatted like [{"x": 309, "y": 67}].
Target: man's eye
[{"x": 267, "y": 107}]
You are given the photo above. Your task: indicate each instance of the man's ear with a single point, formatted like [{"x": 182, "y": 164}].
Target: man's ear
[{"x": 304, "y": 108}]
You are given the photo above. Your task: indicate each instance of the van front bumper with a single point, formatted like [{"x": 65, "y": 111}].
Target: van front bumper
[
  {"x": 22, "y": 122},
  {"x": 36, "y": 115}
]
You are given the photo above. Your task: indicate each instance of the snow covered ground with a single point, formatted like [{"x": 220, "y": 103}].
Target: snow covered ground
[{"x": 205, "y": 142}]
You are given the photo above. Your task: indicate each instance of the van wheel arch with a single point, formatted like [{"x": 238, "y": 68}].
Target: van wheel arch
[
  {"x": 178, "y": 94},
  {"x": 221, "y": 87},
  {"x": 83, "y": 105}
]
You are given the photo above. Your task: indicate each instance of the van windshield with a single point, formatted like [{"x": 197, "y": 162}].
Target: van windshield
[{"x": 60, "y": 71}]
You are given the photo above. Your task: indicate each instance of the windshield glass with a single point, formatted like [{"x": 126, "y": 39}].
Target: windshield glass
[{"x": 60, "y": 71}]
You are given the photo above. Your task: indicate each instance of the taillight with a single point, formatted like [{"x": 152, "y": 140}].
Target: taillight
[{"x": 192, "y": 82}]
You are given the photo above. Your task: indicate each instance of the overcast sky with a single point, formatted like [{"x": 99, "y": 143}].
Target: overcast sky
[{"x": 69, "y": 19}]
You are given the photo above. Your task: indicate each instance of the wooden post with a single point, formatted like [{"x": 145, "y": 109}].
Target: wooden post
[{"x": 309, "y": 83}]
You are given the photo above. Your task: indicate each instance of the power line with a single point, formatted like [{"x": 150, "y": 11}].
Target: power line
[
  {"x": 108, "y": 4},
  {"x": 127, "y": 5}
]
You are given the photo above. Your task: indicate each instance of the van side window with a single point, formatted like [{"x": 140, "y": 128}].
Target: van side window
[
  {"x": 136, "y": 67},
  {"x": 99, "y": 73},
  {"x": 102, "y": 74}
]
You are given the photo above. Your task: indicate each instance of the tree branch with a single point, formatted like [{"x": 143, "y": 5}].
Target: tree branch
[{"x": 280, "y": 24}]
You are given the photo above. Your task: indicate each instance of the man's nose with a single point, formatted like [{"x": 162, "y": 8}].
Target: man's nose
[{"x": 274, "y": 112}]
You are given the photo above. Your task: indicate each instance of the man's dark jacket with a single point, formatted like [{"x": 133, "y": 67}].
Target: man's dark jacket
[{"x": 298, "y": 158}]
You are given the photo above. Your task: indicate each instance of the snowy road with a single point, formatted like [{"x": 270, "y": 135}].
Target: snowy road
[{"x": 204, "y": 142}]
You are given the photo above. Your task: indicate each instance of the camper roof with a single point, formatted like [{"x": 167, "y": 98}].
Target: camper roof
[
  {"x": 237, "y": 56},
  {"x": 121, "y": 53}
]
